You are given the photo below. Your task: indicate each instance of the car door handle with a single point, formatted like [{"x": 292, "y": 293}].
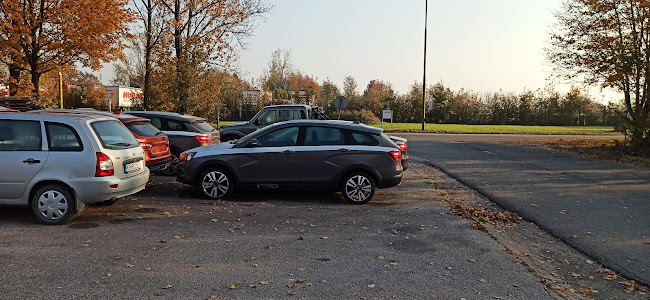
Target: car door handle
[
  {"x": 344, "y": 150},
  {"x": 288, "y": 152},
  {"x": 31, "y": 161}
]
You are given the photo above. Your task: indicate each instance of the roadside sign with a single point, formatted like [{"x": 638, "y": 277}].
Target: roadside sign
[{"x": 387, "y": 114}]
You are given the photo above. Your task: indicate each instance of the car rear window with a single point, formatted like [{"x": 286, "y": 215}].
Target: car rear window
[
  {"x": 203, "y": 126},
  {"x": 114, "y": 135},
  {"x": 364, "y": 139},
  {"x": 143, "y": 129}
]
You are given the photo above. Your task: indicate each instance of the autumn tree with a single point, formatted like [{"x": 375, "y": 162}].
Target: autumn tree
[
  {"x": 375, "y": 93},
  {"x": 608, "y": 42},
  {"x": 350, "y": 89},
  {"x": 40, "y": 36},
  {"x": 329, "y": 92},
  {"x": 207, "y": 33},
  {"x": 276, "y": 76}
]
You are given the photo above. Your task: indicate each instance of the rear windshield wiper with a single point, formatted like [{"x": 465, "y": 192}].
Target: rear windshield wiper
[
  {"x": 120, "y": 144},
  {"x": 160, "y": 132}
]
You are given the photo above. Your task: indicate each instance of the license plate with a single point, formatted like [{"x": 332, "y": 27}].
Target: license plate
[{"x": 133, "y": 167}]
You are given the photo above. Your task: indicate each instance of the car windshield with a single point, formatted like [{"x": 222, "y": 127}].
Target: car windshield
[
  {"x": 143, "y": 129},
  {"x": 253, "y": 135},
  {"x": 114, "y": 135},
  {"x": 203, "y": 126}
]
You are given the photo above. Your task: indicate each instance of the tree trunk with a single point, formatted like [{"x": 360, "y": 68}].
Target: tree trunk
[
  {"x": 14, "y": 78},
  {"x": 146, "y": 99},
  {"x": 178, "y": 47},
  {"x": 36, "y": 92}
]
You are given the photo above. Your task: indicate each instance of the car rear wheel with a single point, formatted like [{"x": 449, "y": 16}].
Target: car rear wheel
[
  {"x": 173, "y": 166},
  {"x": 53, "y": 204},
  {"x": 358, "y": 188},
  {"x": 216, "y": 183}
]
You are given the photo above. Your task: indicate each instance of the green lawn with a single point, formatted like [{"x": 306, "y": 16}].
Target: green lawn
[{"x": 508, "y": 129}]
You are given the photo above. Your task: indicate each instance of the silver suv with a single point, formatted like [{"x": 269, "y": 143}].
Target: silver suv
[{"x": 59, "y": 163}]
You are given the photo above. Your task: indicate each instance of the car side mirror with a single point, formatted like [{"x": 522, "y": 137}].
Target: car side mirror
[{"x": 253, "y": 143}]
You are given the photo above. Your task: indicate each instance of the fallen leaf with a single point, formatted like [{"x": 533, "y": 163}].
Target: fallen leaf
[
  {"x": 178, "y": 237},
  {"x": 303, "y": 269},
  {"x": 575, "y": 275},
  {"x": 163, "y": 241},
  {"x": 433, "y": 263},
  {"x": 108, "y": 275},
  {"x": 450, "y": 268},
  {"x": 483, "y": 280},
  {"x": 498, "y": 297},
  {"x": 235, "y": 286},
  {"x": 591, "y": 262},
  {"x": 610, "y": 277},
  {"x": 371, "y": 286},
  {"x": 169, "y": 286},
  {"x": 575, "y": 236},
  {"x": 254, "y": 285},
  {"x": 585, "y": 291},
  {"x": 364, "y": 228},
  {"x": 572, "y": 290},
  {"x": 214, "y": 220},
  {"x": 291, "y": 285},
  {"x": 300, "y": 281},
  {"x": 323, "y": 237},
  {"x": 301, "y": 238},
  {"x": 167, "y": 214},
  {"x": 129, "y": 265},
  {"x": 265, "y": 282},
  {"x": 308, "y": 284},
  {"x": 473, "y": 260}
]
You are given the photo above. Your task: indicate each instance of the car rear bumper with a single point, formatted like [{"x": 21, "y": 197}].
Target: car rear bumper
[
  {"x": 94, "y": 190},
  {"x": 391, "y": 181},
  {"x": 159, "y": 165}
]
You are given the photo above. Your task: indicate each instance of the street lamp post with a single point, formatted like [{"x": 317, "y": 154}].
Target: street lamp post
[
  {"x": 424, "y": 76},
  {"x": 61, "y": 89}
]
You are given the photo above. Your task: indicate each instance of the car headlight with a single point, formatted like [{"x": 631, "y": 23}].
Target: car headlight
[{"x": 186, "y": 156}]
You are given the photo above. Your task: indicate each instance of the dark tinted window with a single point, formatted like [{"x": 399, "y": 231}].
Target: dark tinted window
[
  {"x": 61, "y": 137},
  {"x": 301, "y": 115},
  {"x": 143, "y": 129},
  {"x": 175, "y": 126},
  {"x": 317, "y": 136},
  {"x": 155, "y": 122},
  {"x": 114, "y": 135},
  {"x": 279, "y": 138},
  {"x": 20, "y": 135},
  {"x": 285, "y": 115},
  {"x": 203, "y": 126},
  {"x": 364, "y": 139}
]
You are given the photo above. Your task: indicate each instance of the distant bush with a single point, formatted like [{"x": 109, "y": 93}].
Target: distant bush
[{"x": 363, "y": 116}]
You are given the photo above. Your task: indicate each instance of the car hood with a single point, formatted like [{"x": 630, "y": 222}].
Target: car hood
[{"x": 215, "y": 147}]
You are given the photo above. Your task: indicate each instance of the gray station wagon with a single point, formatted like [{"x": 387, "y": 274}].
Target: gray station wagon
[
  {"x": 59, "y": 163},
  {"x": 354, "y": 159}
]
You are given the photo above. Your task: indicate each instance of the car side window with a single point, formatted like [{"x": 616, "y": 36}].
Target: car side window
[
  {"x": 266, "y": 118},
  {"x": 19, "y": 135},
  {"x": 320, "y": 136},
  {"x": 156, "y": 122},
  {"x": 303, "y": 115},
  {"x": 364, "y": 139},
  {"x": 175, "y": 126},
  {"x": 280, "y": 138},
  {"x": 61, "y": 137},
  {"x": 285, "y": 115}
]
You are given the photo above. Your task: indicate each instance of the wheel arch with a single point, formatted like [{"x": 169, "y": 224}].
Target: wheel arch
[
  {"x": 215, "y": 163},
  {"x": 357, "y": 168},
  {"x": 42, "y": 183}
]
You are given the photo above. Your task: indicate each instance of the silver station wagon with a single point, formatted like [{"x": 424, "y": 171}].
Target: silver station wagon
[
  {"x": 340, "y": 156},
  {"x": 59, "y": 163}
]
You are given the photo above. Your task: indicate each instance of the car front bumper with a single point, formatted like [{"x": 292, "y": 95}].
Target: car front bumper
[{"x": 94, "y": 190}]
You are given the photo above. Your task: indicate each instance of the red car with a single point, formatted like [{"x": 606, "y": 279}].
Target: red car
[{"x": 154, "y": 142}]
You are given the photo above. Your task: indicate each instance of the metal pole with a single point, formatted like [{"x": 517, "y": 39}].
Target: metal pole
[
  {"x": 61, "y": 89},
  {"x": 424, "y": 76}
]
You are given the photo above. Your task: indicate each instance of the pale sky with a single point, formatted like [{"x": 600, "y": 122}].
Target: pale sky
[{"x": 473, "y": 44}]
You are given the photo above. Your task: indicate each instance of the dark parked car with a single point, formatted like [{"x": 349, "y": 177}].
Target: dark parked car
[
  {"x": 270, "y": 115},
  {"x": 184, "y": 131},
  {"x": 403, "y": 145},
  {"x": 324, "y": 155}
]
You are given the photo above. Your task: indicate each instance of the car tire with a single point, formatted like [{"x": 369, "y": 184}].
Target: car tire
[
  {"x": 53, "y": 204},
  {"x": 216, "y": 183},
  {"x": 358, "y": 187},
  {"x": 173, "y": 166}
]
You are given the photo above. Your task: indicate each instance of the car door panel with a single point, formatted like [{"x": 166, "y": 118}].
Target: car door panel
[{"x": 268, "y": 165}]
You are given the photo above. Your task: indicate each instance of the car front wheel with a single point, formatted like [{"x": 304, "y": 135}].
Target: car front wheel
[
  {"x": 358, "y": 188},
  {"x": 216, "y": 183},
  {"x": 53, "y": 204}
]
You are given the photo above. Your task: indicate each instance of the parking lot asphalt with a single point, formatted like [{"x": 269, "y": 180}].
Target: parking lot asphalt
[
  {"x": 168, "y": 243},
  {"x": 601, "y": 208}
]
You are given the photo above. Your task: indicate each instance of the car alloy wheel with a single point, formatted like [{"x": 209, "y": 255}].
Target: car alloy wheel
[
  {"x": 173, "y": 166},
  {"x": 358, "y": 188},
  {"x": 216, "y": 184},
  {"x": 53, "y": 204}
]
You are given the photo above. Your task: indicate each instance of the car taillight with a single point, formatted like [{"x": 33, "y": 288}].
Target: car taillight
[
  {"x": 104, "y": 166},
  {"x": 396, "y": 155},
  {"x": 403, "y": 147},
  {"x": 202, "y": 139},
  {"x": 145, "y": 146}
]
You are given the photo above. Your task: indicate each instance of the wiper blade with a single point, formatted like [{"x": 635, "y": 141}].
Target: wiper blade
[{"x": 120, "y": 144}]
